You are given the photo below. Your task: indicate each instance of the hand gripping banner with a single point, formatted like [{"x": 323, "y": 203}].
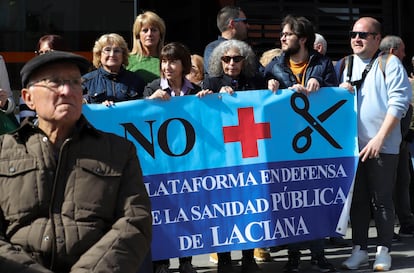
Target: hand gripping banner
[{"x": 252, "y": 169}]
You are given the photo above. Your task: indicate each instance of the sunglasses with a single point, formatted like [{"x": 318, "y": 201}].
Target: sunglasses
[
  {"x": 361, "y": 34},
  {"x": 243, "y": 20},
  {"x": 235, "y": 59}
]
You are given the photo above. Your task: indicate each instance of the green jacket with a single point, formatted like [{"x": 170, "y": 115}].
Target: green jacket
[{"x": 84, "y": 209}]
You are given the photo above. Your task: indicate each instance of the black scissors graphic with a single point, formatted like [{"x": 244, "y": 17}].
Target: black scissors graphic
[{"x": 303, "y": 109}]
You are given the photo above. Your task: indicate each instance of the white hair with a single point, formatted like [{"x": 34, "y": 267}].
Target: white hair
[{"x": 319, "y": 39}]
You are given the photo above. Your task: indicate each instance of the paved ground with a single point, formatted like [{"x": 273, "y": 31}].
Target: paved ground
[{"x": 402, "y": 254}]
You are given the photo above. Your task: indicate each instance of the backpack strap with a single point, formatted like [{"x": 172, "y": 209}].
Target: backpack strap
[
  {"x": 406, "y": 119},
  {"x": 350, "y": 61},
  {"x": 344, "y": 63},
  {"x": 382, "y": 62}
]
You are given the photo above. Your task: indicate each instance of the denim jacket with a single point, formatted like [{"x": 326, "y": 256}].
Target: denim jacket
[{"x": 100, "y": 85}]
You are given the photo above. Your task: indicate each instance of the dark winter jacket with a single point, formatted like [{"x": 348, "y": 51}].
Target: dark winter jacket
[
  {"x": 241, "y": 84},
  {"x": 84, "y": 209},
  {"x": 320, "y": 68}
]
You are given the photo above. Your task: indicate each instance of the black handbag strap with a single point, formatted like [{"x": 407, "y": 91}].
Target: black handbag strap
[{"x": 368, "y": 67}]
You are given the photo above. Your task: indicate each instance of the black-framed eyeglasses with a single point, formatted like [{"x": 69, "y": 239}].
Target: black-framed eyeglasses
[
  {"x": 55, "y": 84},
  {"x": 287, "y": 34},
  {"x": 361, "y": 34},
  {"x": 108, "y": 50},
  {"x": 40, "y": 52},
  {"x": 243, "y": 20},
  {"x": 235, "y": 59}
]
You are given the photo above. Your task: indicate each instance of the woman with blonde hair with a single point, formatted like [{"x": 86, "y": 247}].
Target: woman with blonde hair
[
  {"x": 111, "y": 82},
  {"x": 268, "y": 55},
  {"x": 148, "y": 34}
]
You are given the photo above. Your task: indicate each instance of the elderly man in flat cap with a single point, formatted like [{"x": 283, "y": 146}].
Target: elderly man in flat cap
[{"x": 72, "y": 197}]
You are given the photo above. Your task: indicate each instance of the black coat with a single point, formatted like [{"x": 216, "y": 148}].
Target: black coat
[{"x": 241, "y": 84}]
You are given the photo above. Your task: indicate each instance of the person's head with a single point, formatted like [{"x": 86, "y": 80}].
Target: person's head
[
  {"x": 111, "y": 52},
  {"x": 268, "y": 55},
  {"x": 52, "y": 87},
  {"x": 320, "y": 44},
  {"x": 148, "y": 34},
  {"x": 232, "y": 23},
  {"x": 393, "y": 45},
  {"x": 196, "y": 74},
  {"x": 50, "y": 42},
  {"x": 365, "y": 37},
  {"x": 175, "y": 61},
  {"x": 297, "y": 34},
  {"x": 233, "y": 58}
]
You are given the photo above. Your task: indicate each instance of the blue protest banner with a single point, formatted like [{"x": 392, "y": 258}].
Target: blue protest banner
[{"x": 252, "y": 169}]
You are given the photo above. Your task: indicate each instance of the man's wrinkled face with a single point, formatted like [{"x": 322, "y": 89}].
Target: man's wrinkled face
[{"x": 55, "y": 93}]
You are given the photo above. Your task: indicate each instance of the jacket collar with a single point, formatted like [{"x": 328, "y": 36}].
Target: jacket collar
[{"x": 27, "y": 128}]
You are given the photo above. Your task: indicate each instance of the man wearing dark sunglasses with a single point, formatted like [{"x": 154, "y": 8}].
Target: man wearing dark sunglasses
[
  {"x": 380, "y": 105},
  {"x": 233, "y": 24}
]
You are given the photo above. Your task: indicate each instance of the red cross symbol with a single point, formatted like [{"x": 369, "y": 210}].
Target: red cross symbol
[{"x": 247, "y": 132}]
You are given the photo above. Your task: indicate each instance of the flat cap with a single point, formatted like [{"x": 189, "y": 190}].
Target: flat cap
[{"x": 54, "y": 56}]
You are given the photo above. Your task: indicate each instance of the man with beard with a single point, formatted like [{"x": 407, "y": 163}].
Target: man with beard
[
  {"x": 302, "y": 69},
  {"x": 299, "y": 67}
]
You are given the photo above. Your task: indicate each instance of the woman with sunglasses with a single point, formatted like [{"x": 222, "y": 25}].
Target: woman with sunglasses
[
  {"x": 111, "y": 82},
  {"x": 233, "y": 67}
]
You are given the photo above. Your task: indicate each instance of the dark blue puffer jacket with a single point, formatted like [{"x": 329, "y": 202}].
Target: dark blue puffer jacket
[
  {"x": 100, "y": 85},
  {"x": 320, "y": 68}
]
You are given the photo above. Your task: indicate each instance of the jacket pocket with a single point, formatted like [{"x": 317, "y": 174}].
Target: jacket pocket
[
  {"x": 97, "y": 96},
  {"x": 18, "y": 187},
  {"x": 16, "y": 167},
  {"x": 96, "y": 188}
]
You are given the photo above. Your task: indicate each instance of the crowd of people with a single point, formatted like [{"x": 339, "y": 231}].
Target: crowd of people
[{"x": 50, "y": 223}]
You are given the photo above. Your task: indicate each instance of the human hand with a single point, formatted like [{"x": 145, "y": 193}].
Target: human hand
[
  {"x": 273, "y": 85},
  {"x": 108, "y": 103},
  {"x": 160, "y": 94},
  {"x": 372, "y": 149},
  {"x": 312, "y": 85},
  {"x": 348, "y": 86},
  {"x": 299, "y": 88},
  {"x": 411, "y": 77},
  {"x": 204, "y": 92},
  {"x": 227, "y": 89}
]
